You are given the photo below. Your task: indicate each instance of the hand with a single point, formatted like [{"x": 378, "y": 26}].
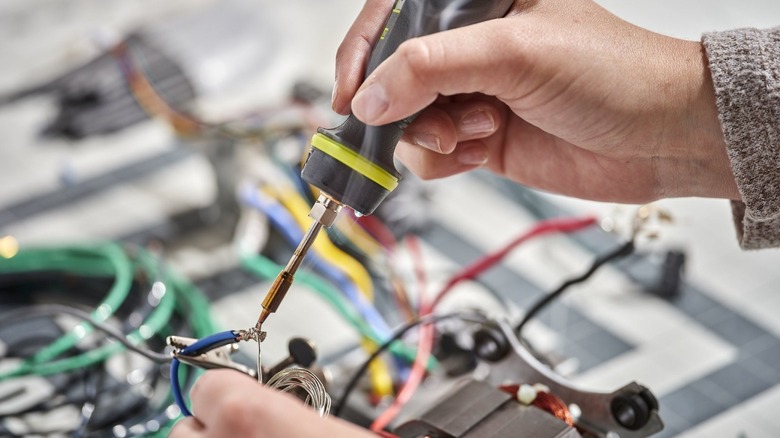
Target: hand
[
  {"x": 559, "y": 95},
  {"x": 231, "y": 404}
]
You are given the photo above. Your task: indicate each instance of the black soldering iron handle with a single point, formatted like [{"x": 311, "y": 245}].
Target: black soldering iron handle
[{"x": 336, "y": 173}]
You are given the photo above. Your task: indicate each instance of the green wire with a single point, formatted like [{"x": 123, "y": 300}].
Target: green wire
[
  {"x": 157, "y": 320},
  {"x": 58, "y": 259},
  {"x": 192, "y": 303},
  {"x": 102, "y": 260},
  {"x": 268, "y": 270},
  {"x": 180, "y": 296}
]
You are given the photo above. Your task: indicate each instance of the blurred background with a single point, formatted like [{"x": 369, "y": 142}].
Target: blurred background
[{"x": 146, "y": 141}]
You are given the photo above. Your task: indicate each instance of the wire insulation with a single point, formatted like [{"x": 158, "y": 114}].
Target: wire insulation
[
  {"x": 199, "y": 347},
  {"x": 56, "y": 309},
  {"x": 542, "y": 228},
  {"x": 424, "y": 347},
  {"x": 282, "y": 219},
  {"x": 400, "y": 333},
  {"x": 620, "y": 252}
]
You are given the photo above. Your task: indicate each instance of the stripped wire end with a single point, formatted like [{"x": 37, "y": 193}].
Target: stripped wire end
[{"x": 252, "y": 334}]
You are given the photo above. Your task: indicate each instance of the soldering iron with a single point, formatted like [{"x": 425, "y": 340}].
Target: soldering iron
[{"x": 352, "y": 164}]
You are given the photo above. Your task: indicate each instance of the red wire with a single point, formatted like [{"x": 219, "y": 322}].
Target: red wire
[
  {"x": 549, "y": 226},
  {"x": 425, "y": 346},
  {"x": 378, "y": 230}
]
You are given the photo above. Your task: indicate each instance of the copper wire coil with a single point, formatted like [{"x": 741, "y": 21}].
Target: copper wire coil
[{"x": 547, "y": 402}]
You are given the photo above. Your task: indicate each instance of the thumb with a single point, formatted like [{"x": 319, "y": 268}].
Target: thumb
[{"x": 472, "y": 59}]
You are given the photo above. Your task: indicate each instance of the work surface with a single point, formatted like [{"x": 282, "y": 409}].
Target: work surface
[{"x": 712, "y": 356}]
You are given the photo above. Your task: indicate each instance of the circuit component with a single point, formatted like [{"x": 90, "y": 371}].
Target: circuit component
[{"x": 478, "y": 410}]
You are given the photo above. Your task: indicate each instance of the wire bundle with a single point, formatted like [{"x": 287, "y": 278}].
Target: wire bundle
[
  {"x": 468, "y": 273},
  {"x": 286, "y": 211},
  {"x": 128, "y": 286}
]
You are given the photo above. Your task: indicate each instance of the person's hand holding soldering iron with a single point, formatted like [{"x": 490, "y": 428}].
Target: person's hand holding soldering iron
[{"x": 559, "y": 95}]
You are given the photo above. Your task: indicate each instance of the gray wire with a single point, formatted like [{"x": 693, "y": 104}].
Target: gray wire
[{"x": 38, "y": 310}]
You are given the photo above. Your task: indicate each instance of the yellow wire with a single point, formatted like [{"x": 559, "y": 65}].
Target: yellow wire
[
  {"x": 378, "y": 373},
  {"x": 299, "y": 208}
]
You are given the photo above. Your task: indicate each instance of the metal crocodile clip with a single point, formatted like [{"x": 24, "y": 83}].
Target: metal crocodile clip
[{"x": 218, "y": 357}]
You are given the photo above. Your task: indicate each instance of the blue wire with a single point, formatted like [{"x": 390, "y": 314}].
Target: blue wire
[
  {"x": 286, "y": 224},
  {"x": 202, "y": 345},
  {"x": 176, "y": 389},
  {"x": 210, "y": 342}
]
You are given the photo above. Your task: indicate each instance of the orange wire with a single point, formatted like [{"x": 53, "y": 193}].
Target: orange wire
[
  {"x": 554, "y": 405},
  {"x": 545, "y": 401},
  {"x": 401, "y": 297},
  {"x": 183, "y": 123}
]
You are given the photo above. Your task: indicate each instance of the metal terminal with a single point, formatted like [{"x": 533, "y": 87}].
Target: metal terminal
[
  {"x": 324, "y": 213},
  {"x": 252, "y": 334},
  {"x": 216, "y": 358}
]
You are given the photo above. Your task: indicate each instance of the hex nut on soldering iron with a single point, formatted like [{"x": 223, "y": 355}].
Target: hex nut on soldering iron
[{"x": 325, "y": 211}]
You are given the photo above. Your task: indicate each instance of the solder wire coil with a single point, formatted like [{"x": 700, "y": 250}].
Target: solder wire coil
[
  {"x": 290, "y": 379},
  {"x": 285, "y": 380}
]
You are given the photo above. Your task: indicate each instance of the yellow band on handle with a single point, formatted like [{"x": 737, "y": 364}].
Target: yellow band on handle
[{"x": 355, "y": 161}]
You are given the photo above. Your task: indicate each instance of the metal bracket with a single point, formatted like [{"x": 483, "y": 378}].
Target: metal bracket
[{"x": 595, "y": 409}]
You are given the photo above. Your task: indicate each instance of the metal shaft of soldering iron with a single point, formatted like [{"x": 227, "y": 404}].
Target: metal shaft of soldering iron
[
  {"x": 324, "y": 213},
  {"x": 284, "y": 280}
]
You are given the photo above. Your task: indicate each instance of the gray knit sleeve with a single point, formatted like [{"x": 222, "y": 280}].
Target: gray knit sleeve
[{"x": 745, "y": 66}]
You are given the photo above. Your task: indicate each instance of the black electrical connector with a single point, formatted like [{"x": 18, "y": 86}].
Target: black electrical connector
[{"x": 671, "y": 275}]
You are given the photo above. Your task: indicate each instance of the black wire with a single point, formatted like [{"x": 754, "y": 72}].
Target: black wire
[
  {"x": 620, "y": 252},
  {"x": 428, "y": 319},
  {"x": 39, "y": 310}
]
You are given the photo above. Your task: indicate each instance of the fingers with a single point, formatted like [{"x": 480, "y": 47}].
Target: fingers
[
  {"x": 442, "y": 141},
  {"x": 187, "y": 428},
  {"x": 427, "y": 164},
  {"x": 230, "y": 404},
  {"x": 353, "y": 53},
  {"x": 221, "y": 391},
  {"x": 473, "y": 59},
  {"x": 441, "y": 126}
]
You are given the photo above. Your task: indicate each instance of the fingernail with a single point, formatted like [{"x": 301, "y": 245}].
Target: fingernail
[
  {"x": 474, "y": 155},
  {"x": 478, "y": 122},
  {"x": 334, "y": 94},
  {"x": 370, "y": 103},
  {"x": 428, "y": 141}
]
